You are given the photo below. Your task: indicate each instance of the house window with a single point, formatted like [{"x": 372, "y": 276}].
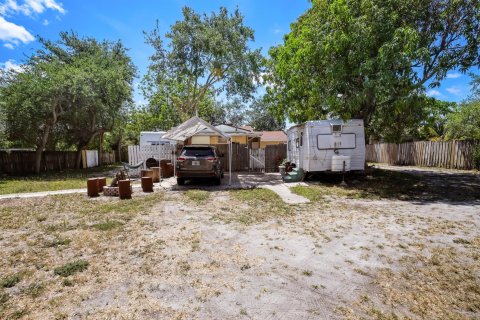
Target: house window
[{"x": 289, "y": 145}]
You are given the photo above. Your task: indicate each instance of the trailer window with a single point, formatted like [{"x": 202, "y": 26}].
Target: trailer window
[
  {"x": 297, "y": 142},
  {"x": 289, "y": 145},
  {"x": 336, "y": 128},
  {"x": 301, "y": 139}
]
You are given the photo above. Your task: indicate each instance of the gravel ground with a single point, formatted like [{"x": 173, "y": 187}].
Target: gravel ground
[{"x": 351, "y": 253}]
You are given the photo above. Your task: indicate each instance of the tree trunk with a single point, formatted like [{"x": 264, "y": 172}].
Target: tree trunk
[
  {"x": 119, "y": 150},
  {"x": 100, "y": 148},
  {"x": 40, "y": 147}
]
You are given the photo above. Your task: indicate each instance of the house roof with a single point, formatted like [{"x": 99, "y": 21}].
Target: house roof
[
  {"x": 273, "y": 136},
  {"x": 229, "y": 130},
  {"x": 249, "y": 128},
  {"x": 191, "y": 127}
]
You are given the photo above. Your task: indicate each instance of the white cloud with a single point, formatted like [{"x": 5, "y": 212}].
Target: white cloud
[
  {"x": 434, "y": 93},
  {"x": 454, "y": 90},
  {"x": 453, "y": 75},
  {"x": 30, "y": 7},
  {"x": 45, "y": 22},
  {"x": 11, "y": 65},
  {"x": 277, "y": 31},
  {"x": 13, "y": 34}
]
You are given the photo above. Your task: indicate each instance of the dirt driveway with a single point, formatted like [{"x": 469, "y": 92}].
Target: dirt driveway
[{"x": 386, "y": 247}]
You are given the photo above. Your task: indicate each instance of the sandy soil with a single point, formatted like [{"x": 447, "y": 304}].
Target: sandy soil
[{"x": 177, "y": 256}]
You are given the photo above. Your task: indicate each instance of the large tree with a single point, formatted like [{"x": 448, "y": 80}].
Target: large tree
[
  {"x": 99, "y": 83},
  {"x": 261, "y": 118},
  {"x": 206, "y": 54},
  {"x": 75, "y": 87},
  {"x": 370, "y": 59},
  {"x": 33, "y": 101}
]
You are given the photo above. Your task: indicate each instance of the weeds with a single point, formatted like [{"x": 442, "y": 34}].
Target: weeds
[
  {"x": 254, "y": 206},
  {"x": 34, "y": 290},
  {"x": 9, "y": 281},
  {"x": 71, "y": 268},
  {"x": 197, "y": 195},
  {"x": 107, "y": 225}
]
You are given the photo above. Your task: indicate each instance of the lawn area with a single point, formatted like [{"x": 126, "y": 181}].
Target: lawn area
[
  {"x": 51, "y": 181},
  {"x": 351, "y": 253}
]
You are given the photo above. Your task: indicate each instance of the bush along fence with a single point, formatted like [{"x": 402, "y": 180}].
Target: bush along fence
[
  {"x": 454, "y": 154},
  {"x": 23, "y": 162}
]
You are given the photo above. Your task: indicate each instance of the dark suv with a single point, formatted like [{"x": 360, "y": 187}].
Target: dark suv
[{"x": 199, "y": 162}]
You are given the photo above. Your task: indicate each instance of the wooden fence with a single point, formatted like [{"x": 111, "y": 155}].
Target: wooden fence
[
  {"x": 23, "y": 162},
  {"x": 454, "y": 154}
]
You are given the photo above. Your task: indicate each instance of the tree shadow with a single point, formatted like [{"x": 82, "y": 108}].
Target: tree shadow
[{"x": 420, "y": 186}]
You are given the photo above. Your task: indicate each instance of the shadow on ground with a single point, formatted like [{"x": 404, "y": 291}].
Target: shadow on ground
[{"x": 410, "y": 185}]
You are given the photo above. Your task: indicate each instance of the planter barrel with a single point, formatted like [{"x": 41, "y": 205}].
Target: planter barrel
[
  {"x": 146, "y": 173},
  {"x": 147, "y": 184},
  {"x": 156, "y": 174},
  {"x": 102, "y": 182},
  {"x": 92, "y": 187},
  {"x": 124, "y": 189}
]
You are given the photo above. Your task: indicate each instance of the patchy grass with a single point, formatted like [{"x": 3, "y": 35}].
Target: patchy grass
[
  {"x": 107, "y": 225},
  {"x": 29, "y": 210},
  {"x": 443, "y": 284},
  {"x": 196, "y": 195},
  {"x": 254, "y": 206},
  {"x": 71, "y": 268},
  {"x": 389, "y": 184},
  {"x": 51, "y": 181},
  {"x": 9, "y": 281},
  {"x": 58, "y": 241},
  {"x": 35, "y": 289}
]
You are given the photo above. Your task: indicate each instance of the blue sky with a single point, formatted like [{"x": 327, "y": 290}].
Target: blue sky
[{"x": 22, "y": 21}]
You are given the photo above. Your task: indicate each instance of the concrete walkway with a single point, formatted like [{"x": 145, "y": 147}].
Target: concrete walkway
[
  {"x": 286, "y": 194},
  {"x": 49, "y": 193},
  {"x": 240, "y": 180}
]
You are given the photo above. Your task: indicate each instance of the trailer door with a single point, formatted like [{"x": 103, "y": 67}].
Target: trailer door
[{"x": 300, "y": 149}]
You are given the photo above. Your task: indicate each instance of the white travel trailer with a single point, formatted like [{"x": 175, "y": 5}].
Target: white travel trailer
[
  {"x": 327, "y": 145},
  {"x": 154, "y": 138}
]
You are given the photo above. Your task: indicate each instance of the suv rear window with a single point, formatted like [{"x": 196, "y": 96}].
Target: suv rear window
[{"x": 198, "y": 152}]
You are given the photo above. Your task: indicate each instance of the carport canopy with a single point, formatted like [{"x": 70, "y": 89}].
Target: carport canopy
[{"x": 193, "y": 126}]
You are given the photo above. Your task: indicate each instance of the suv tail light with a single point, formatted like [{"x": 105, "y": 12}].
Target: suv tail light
[
  {"x": 181, "y": 159},
  {"x": 211, "y": 159}
]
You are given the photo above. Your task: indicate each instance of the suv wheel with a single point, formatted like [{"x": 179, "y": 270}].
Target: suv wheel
[{"x": 180, "y": 181}]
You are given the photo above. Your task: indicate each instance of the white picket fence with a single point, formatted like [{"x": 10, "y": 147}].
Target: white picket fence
[
  {"x": 142, "y": 153},
  {"x": 257, "y": 159}
]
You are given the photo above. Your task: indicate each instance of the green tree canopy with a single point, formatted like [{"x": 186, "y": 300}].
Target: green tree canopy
[
  {"x": 464, "y": 122},
  {"x": 206, "y": 54},
  {"x": 370, "y": 59},
  {"x": 74, "y": 87}
]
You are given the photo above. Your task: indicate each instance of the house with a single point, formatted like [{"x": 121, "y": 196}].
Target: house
[
  {"x": 272, "y": 138},
  {"x": 241, "y": 135}
]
